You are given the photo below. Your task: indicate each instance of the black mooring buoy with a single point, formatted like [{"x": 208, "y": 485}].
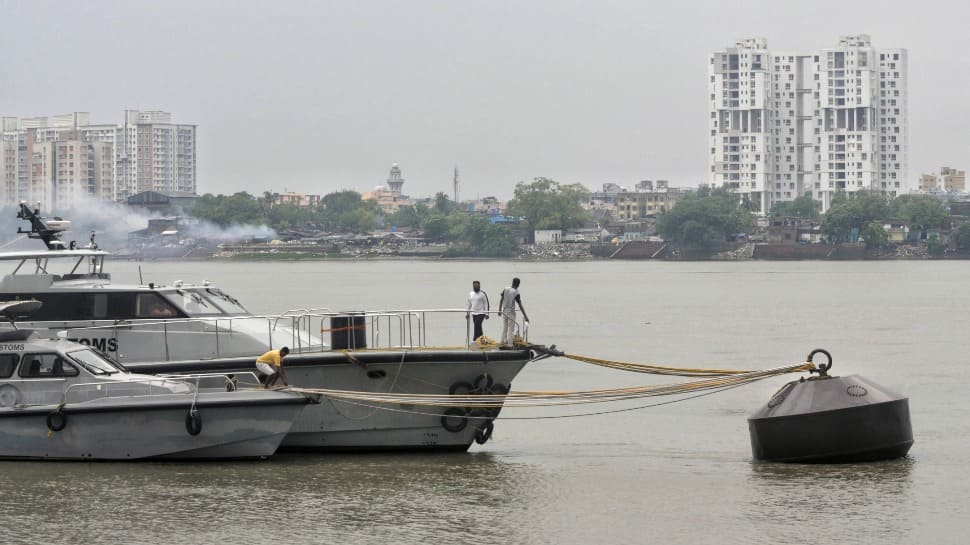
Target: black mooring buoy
[{"x": 829, "y": 419}]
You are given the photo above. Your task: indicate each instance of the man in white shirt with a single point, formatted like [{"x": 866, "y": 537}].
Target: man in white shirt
[
  {"x": 510, "y": 296},
  {"x": 478, "y": 308}
]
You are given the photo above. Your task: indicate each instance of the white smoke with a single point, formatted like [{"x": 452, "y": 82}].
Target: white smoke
[{"x": 112, "y": 223}]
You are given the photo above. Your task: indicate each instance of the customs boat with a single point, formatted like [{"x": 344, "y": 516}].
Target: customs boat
[
  {"x": 183, "y": 328},
  {"x": 61, "y": 400}
]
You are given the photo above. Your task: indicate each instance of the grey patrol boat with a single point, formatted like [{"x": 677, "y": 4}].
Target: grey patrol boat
[
  {"x": 192, "y": 329},
  {"x": 61, "y": 400}
]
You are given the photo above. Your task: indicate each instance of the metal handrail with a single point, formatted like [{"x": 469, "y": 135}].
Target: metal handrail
[
  {"x": 403, "y": 328},
  {"x": 106, "y": 386},
  {"x": 158, "y": 381}
]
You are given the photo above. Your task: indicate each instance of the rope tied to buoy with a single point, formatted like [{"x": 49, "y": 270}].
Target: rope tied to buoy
[{"x": 554, "y": 398}]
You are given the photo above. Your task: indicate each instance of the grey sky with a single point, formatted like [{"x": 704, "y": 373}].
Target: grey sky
[{"x": 320, "y": 96}]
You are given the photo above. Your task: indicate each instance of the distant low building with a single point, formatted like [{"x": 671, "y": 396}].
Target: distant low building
[
  {"x": 548, "y": 236},
  {"x": 302, "y": 200},
  {"x": 792, "y": 230},
  {"x": 648, "y": 201},
  {"x": 486, "y": 205},
  {"x": 949, "y": 180}
]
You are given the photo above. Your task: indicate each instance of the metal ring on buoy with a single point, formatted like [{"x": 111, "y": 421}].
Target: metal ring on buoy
[
  {"x": 484, "y": 432},
  {"x": 56, "y": 421},
  {"x": 193, "y": 422},
  {"x": 450, "y": 416},
  {"x": 822, "y": 369}
]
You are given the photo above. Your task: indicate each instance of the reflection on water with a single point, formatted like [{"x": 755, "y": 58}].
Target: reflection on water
[
  {"x": 875, "y": 497},
  {"x": 306, "y": 498}
]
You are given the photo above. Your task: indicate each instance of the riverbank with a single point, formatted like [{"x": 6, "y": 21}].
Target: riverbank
[{"x": 567, "y": 252}]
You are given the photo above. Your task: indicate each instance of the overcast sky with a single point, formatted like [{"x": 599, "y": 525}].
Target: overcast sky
[{"x": 319, "y": 96}]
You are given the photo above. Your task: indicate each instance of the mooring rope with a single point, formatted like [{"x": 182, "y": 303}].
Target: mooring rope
[
  {"x": 554, "y": 398},
  {"x": 655, "y": 369}
]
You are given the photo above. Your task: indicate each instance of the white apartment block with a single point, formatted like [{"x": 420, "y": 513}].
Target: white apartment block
[
  {"x": 786, "y": 124},
  {"x": 58, "y": 161}
]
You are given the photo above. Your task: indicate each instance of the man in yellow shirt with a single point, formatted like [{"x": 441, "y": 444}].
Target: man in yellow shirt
[{"x": 270, "y": 364}]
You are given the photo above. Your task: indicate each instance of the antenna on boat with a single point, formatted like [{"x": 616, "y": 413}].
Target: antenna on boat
[
  {"x": 48, "y": 231},
  {"x": 141, "y": 281}
]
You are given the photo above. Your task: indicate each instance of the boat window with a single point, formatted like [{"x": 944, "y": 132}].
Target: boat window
[
  {"x": 93, "y": 306},
  {"x": 190, "y": 302},
  {"x": 7, "y": 364},
  {"x": 46, "y": 366},
  {"x": 228, "y": 303},
  {"x": 93, "y": 362},
  {"x": 204, "y": 302},
  {"x": 150, "y": 305}
]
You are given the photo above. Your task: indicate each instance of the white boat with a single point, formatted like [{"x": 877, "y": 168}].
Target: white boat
[
  {"x": 183, "y": 328},
  {"x": 61, "y": 400}
]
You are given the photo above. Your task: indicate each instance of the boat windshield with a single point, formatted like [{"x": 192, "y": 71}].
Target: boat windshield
[
  {"x": 205, "y": 302},
  {"x": 94, "y": 363}
]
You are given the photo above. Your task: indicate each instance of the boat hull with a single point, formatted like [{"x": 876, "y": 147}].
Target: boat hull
[
  {"x": 232, "y": 426},
  {"x": 340, "y": 425}
]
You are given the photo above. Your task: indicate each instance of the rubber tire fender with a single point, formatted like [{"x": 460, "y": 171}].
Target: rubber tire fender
[
  {"x": 193, "y": 422},
  {"x": 460, "y": 388},
  {"x": 56, "y": 421},
  {"x": 484, "y": 432},
  {"x": 450, "y": 414}
]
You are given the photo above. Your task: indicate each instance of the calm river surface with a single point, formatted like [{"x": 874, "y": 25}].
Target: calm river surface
[{"x": 673, "y": 473}]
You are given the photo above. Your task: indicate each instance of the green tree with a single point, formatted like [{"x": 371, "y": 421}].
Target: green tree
[
  {"x": 546, "y": 204},
  {"x": 476, "y": 236},
  {"x": 437, "y": 227},
  {"x": 701, "y": 222},
  {"x": 935, "y": 248},
  {"x": 961, "y": 236},
  {"x": 409, "y": 216},
  {"x": 920, "y": 212},
  {"x": 802, "y": 207},
  {"x": 854, "y": 211},
  {"x": 499, "y": 241},
  {"x": 875, "y": 236},
  {"x": 346, "y": 210},
  {"x": 442, "y": 204},
  {"x": 236, "y": 209}
]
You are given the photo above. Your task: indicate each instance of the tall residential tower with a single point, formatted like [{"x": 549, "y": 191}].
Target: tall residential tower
[
  {"x": 786, "y": 124},
  {"x": 61, "y": 160}
]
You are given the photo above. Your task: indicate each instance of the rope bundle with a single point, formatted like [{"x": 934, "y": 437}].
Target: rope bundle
[{"x": 714, "y": 380}]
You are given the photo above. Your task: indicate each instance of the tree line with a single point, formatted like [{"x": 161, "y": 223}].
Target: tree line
[
  {"x": 540, "y": 204},
  {"x": 702, "y": 221}
]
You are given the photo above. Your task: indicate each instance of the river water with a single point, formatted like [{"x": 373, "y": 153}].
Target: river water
[{"x": 672, "y": 473}]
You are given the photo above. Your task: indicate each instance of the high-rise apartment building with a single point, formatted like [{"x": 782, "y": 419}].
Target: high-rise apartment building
[
  {"x": 787, "y": 124},
  {"x": 60, "y": 160}
]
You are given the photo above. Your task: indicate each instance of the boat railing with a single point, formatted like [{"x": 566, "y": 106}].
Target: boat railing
[
  {"x": 302, "y": 330},
  {"x": 147, "y": 386},
  {"x": 158, "y": 385},
  {"x": 385, "y": 329}
]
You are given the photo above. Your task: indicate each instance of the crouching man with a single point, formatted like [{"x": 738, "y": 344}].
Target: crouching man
[{"x": 270, "y": 367}]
